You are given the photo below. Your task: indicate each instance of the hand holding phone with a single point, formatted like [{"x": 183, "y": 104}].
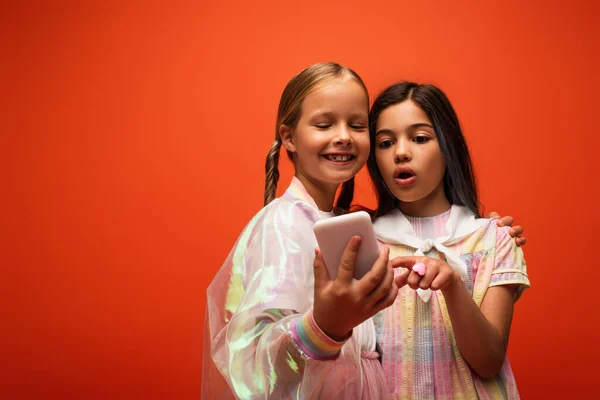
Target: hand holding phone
[
  {"x": 333, "y": 235},
  {"x": 342, "y": 300}
]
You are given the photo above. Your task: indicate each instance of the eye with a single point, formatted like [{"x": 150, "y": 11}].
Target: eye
[
  {"x": 323, "y": 126},
  {"x": 358, "y": 127},
  {"x": 421, "y": 139},
  {"x": 385, "y": 144}
]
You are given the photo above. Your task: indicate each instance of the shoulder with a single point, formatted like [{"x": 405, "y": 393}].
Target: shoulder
[
  {"x": 490, "y": 231},
  {"x": 289, "y": 211},
  {"x": 284, "y": 217},
  {"x": 494, "y": 235},
  {"x": 491, "y": 237}
]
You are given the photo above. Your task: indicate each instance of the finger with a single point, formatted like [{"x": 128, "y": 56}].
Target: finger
[
  {"x": 384, "y": 286},
  {"x": 346, "y": 267},
  {"x": 506, "y": 221},
  {"x": 441, "y": 280},
  {"x": 400, "y": 279},
  {"x": 405, "y": 262},
  {"x": 494, "y": 215},
  {"x": 413, "y": 280},
  {"x": 388, "y": 300},
  {"x": 374, "y": 277},
  {"x": 431, "y": 271},
  {"x": 320, "y": 270},
  {"x": 515, "y": 231},
  {"x": 521, "y": 241}
]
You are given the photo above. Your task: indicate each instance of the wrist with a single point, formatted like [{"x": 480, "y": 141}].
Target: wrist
[
  {"x": 334, "y": 334},
  {"x": 454, "y": 286},
  {"x": 313, "y": 341},
  {"x": 337, "y": 337}
]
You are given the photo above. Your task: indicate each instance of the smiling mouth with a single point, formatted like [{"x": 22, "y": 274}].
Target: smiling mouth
[{"x": 339, "y": 157}]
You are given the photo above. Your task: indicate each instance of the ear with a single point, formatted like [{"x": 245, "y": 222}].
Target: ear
[{"x": 287, "y": 138}]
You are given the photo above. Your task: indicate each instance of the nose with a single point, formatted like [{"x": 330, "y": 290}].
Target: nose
[
  {"x": 403, "y": 153},
  {"x": 343, "y": 136}
]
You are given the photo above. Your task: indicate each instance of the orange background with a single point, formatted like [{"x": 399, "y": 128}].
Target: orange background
[{"x": 133, "y": 149}]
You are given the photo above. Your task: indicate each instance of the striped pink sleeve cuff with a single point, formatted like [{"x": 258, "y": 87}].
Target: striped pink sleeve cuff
[{"x": 313, "y": 341}]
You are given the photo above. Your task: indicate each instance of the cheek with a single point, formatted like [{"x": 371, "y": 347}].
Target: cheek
[
  {"x": 380, "y": 159},
  {"x": 439, "y": 165},
  {"x": 440, "y": 159},
  {"x": 307, "y": 145},
  {"x": 364, "y": 146}
]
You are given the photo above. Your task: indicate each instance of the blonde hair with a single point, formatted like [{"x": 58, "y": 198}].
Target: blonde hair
[{"x": 290, "y": 107}]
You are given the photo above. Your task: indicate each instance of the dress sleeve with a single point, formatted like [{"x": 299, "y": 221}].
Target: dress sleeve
[{"x": 509, "y": 264}]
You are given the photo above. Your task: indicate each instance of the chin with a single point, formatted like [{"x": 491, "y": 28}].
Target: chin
[
  {"x": 340, "y": 180},
  {"x": 341, "y": 177},
  {"x": 405, "y": 196}
]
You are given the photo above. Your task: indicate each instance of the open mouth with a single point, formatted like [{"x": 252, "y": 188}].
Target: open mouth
[
  {"x": 404, "y": 176},
  {"x": 339, "y": 157}
]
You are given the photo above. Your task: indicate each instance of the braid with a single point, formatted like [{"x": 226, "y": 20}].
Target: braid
[
  {"x": 271, "y": 171},
  {"x": 346, "y": 195}
]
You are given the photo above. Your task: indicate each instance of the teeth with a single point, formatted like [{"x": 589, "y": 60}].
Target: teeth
[{"x": 338, "y": 158}]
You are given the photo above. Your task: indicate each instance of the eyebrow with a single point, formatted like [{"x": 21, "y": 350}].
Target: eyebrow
[
  {"x": 332, "y": 114},
  {"x": 413, "y": 126}
]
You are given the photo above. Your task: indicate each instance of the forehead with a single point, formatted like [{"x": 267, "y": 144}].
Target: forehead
[
  {"x": 402, "y": 115},
  {"x": 343, "y": 94}
]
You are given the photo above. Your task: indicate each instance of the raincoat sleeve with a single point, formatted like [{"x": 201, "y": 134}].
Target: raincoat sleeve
[{"x": 260, "y": 335}]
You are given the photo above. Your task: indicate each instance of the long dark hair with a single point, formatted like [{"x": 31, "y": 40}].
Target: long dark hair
[{"x": 459, "y": 179}]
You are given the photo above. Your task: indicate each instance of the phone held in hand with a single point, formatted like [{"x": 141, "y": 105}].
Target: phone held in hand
[{"x": 333, "y": 235}]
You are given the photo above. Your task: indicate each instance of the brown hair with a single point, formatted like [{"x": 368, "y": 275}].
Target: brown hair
[
  {"x": 459, "y": 178},
  {"x": 290, "y": 106}
]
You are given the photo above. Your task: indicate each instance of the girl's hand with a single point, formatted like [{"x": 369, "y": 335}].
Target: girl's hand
[
  {"x": 343, "y": 303},
  {"x": 516, "y": 231},
  {"x": 428, "y": 273}
]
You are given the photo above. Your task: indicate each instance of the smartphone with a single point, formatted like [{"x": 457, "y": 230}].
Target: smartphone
[{"x": 333, "y": 235}]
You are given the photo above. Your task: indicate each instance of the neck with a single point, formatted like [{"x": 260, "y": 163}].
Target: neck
[
  {"x": 431, "y": 205},
  {"x": 322, "y": 194}
]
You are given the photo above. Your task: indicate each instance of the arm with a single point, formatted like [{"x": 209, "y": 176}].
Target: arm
[
  {"x": 261, "y": 319},
  {"x": 484, "y": 345},
  {"x": 481, "y": 334}
]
